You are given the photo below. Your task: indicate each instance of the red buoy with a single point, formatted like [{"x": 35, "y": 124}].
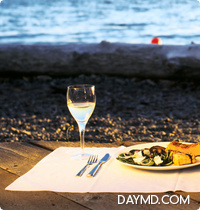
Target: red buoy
[{"x": 156, "y": 40}]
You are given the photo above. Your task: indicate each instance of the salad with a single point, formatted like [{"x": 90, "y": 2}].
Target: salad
[{"x": 154, "y": 156}]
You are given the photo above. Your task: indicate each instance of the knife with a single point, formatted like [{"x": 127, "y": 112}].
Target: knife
[{"x": 97, "y": 167}]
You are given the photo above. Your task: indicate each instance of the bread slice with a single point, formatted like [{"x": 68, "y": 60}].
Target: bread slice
[
  {"x": 192, "y": 149},
  {"x": 182, "y": 159}
]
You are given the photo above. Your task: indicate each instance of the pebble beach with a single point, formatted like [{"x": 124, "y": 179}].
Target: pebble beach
[{"x": 127, "y": 109}]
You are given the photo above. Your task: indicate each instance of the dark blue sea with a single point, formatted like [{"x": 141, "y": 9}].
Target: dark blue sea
[{"x": 92, "y": 21}]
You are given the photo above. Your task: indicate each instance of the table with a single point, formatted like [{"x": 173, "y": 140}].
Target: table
[{"x": 16, "y": 158}]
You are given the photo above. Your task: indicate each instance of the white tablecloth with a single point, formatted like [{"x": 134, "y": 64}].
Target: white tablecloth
[{"x": 57, "y": 172}]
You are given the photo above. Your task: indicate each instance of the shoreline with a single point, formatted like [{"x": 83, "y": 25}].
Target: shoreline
[{"x": 146, "y": 61}]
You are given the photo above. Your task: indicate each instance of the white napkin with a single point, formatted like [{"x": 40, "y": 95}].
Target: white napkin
[{"x": 57, "y": 172}]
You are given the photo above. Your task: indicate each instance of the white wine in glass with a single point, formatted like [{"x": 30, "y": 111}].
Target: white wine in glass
[{"x": 81, "y": 101}]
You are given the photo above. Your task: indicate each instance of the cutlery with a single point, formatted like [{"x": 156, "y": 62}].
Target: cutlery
[
  {"x": 91, "y": 160},
  {"x": 97, "y": 167}
]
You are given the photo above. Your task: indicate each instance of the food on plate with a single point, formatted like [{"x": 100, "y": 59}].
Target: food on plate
[
  {"x": 192, "y": 149},
  {"x": 175, "y": 153},
  {"x": 180, "y": 158},
  {"x": 154, "y": 156}
]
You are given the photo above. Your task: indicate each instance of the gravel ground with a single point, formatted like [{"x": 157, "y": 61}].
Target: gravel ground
[{"x": 127, "y": 109}]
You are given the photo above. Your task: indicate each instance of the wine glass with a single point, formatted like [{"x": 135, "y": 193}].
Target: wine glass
[{"x": 81, "y": 101}]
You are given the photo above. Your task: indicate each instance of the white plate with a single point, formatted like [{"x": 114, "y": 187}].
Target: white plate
[{"x": 157, "y": 168}]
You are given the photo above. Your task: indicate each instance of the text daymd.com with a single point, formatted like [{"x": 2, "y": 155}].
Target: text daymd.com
[{"x": 153, "y": 199}]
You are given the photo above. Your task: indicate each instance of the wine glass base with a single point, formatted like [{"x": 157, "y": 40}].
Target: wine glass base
[{"x": 83, "y": 156}]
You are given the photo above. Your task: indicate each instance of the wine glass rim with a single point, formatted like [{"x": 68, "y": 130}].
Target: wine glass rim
[{"x": 81, "y": 86}]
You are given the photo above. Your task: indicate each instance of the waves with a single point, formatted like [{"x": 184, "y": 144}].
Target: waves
[{"x": 63, "y": 21}]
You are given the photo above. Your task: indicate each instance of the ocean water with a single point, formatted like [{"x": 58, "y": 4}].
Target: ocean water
[{"x": 92, "y": 21}]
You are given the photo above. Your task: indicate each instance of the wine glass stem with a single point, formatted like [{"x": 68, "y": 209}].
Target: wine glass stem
[{"x": 81, "y": 126}]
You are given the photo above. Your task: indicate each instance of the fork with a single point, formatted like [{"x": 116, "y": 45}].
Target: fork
[{"x": 92, "y": 159}]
